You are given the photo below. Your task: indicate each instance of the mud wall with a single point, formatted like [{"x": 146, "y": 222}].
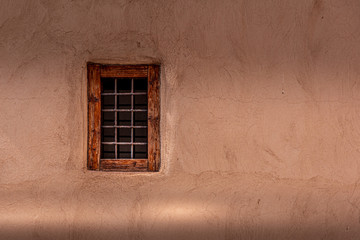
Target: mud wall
[{"x": 260, "y": 120}]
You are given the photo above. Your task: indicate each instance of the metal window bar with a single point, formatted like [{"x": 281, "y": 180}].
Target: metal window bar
[
  {"x": 121, "y": 94},
  {"x": 132, "y": 126},
  {"x": 124, "y": 110},
  {"x": 124, "y": 143},
  {"x": 132, "y": 118},
  {"x": 116, "y": 130},
  {"x": 114, "y": 126}
]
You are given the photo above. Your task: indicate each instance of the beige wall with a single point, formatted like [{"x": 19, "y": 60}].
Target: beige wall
[{"x": 260, "y": 119}]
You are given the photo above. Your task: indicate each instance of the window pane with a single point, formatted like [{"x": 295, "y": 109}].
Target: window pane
[
  {"x": 124, "y": 85},
  {"x": 108, "y": 135},
  {"x": 108, "y": 85},
  {"x": 140, "y": 118},
  {"x": 108, "y": 118},
  {"x": 140, "y": 85},
  {"x": 124, "y": 151},
  {"x": 107, "y": 151},
  {"x": 108, "y": 102},
  {"x": 140, "y": 102},
  {"x": 140, "y": 135},
  {"x": 124, "y": 102},
  {"x": 140, "y": 151},
  {"x": 124, "y": 119},
  {"x": 124, "y": 135}
]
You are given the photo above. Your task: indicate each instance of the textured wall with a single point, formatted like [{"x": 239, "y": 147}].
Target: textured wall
[{"x": 260, "y": 120}]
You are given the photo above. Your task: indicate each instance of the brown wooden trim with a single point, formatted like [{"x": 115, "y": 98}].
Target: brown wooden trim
[
  {"x": 154, "y": 118},
  {"x": 94, "y": 116},
  {"x": 95, "y": 72},
  {"x": 130, "y": 165},
  {"x": 128, "y": 71}
]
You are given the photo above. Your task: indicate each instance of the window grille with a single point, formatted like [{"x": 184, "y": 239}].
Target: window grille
[{"x": 123, "y": 117}]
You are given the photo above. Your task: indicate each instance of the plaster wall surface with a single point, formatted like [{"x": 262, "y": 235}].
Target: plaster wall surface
[{"x": 260, "y": 120}]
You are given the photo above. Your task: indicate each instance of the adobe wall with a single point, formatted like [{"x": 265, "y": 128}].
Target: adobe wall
[{"x": 260, "y": 120}]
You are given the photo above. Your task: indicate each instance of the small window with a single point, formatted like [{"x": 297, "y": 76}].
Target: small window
[{"x": 123, "y": 117}]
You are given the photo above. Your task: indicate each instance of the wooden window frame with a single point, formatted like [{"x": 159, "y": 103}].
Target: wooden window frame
[{"x": 94, "y": 74}]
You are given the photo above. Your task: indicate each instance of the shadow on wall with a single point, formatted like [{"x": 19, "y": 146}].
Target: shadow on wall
[{"x": 188, "y": 231}]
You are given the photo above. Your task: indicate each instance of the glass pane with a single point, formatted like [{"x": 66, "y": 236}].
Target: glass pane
[
  {"x": 124, "y": 102},
  {"x": 107, "y": 151},
  {"x": 124, "y": 119},
  {"x": 124, "y": 151},
  {"x": 140, "y": 151},
  {"x": 108, "y": 102},
  {"x": 140, "y": 135},
  {"x": 124, "y": 85},
  {"x": 140, "y": 85},
  {"x": 108, "y": 118},
  {"x": 140, "y": 102},
  {"x": 108, "y": 135},
  {"x": 140, "y": 118},
  {"x": 124, "y": 135},
  {"x": 108, "y": 85}
]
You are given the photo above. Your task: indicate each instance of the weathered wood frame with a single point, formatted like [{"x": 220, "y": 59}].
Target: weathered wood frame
[{"x": 95, "y": 72}]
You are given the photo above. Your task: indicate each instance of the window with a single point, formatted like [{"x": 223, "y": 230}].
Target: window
[{"x": 123, "y": 117}]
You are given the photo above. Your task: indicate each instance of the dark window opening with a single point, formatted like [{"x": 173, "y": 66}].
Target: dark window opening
[{"x": 124, "y": 118}]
